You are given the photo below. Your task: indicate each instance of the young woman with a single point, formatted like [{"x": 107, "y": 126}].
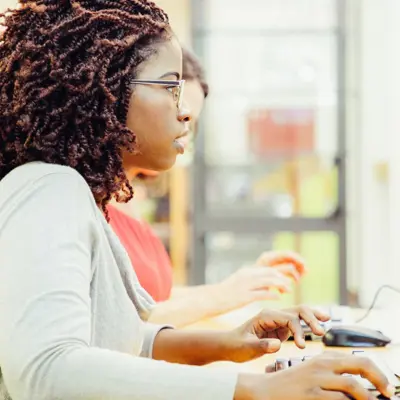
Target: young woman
[
  {"x": 88, "y": 89},
  {"x": 153, "y": 266}
]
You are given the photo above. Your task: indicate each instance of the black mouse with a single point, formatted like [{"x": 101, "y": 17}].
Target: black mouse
[{"x": 354, "y": 336}]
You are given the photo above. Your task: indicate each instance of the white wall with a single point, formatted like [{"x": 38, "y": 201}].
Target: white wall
[
  {"x": 374, "y": 99},
  {"x": 394, "y": 148},
  {"x": 7, "y": 3}
]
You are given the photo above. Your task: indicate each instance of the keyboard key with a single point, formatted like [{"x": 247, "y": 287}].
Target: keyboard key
[
  {"x": 295, "y": 361},
  {"x": 281, "y": 364}
]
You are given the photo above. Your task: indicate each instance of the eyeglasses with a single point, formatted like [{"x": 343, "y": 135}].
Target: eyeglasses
[{"x": 175, "y": 87}]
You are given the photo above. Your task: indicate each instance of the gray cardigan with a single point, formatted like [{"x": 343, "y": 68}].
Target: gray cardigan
[{"x": 71, "y": 305}]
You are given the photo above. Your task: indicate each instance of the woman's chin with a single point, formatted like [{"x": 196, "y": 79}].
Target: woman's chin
[{"x": 165, "y": 164}]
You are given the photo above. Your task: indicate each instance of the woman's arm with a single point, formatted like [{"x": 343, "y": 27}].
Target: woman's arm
[
  {"x": 194, "y": 347},
  {"x": 183, "y": 291},
  {"x": 45, "y": 311},
  {"x": 199, "y": 302},
  {"x": 194, "y": 304}
]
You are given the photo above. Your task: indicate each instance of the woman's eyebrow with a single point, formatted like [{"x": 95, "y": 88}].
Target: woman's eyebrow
[{"x": 176, "y": 74}]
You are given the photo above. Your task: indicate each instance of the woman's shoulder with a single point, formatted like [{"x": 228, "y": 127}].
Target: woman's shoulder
[
  {"x": 37, "y": 170},
  {"x": 41, "y": 180},
  {"x": 31, "y": 175}
]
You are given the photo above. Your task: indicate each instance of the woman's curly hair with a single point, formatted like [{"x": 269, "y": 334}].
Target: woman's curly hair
[
  {"x": 65, "y": 72},
  {"x": 193, "y": 70}
]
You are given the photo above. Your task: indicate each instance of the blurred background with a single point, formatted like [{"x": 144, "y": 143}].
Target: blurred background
[{"x": 298, "y": 146}]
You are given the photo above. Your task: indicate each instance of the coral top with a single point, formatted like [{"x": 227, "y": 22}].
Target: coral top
[{"x": 146, "y": 251}]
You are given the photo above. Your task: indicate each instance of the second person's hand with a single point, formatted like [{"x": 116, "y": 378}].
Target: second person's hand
[{"x": 252, "y": 284}]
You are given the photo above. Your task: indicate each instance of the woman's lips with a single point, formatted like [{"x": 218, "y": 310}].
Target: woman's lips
[{"x": 181, "y": 143}]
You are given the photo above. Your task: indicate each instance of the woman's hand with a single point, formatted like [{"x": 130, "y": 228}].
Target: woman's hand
[
  {"x": 254, "y": 284},
  {"x": 319, "y": 378},
  {"x": 288, "y": 263},
  {"x": 265, "y": 332},
  {"x": 272, "y": 275}
]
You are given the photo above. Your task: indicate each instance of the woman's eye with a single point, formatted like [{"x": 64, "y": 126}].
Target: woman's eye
[{"x": 172, "y": 89}]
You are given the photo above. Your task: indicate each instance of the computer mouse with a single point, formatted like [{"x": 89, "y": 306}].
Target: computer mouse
[{"x": 354, "y": 336}]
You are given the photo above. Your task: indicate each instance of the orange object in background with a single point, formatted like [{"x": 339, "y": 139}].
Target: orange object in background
[{"x": 281, "y": 131}]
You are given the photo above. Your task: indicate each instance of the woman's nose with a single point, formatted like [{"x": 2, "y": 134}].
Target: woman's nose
[{"x": 184, "y": 114}]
